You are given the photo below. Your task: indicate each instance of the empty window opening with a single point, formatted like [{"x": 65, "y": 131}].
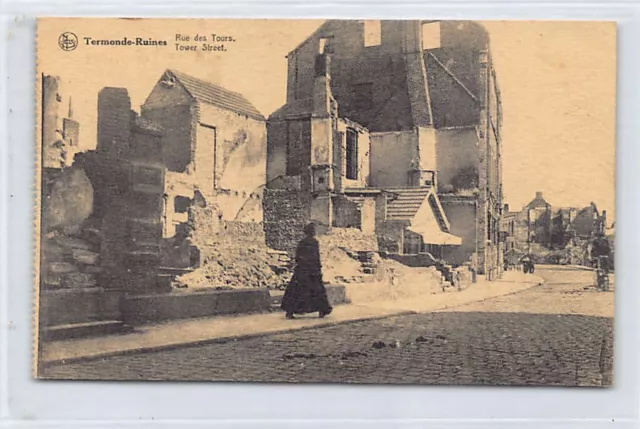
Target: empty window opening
[
  {"x": 431, "y": 35},
  {"x": 352, "y": 155},
  {"x": 181, "y": 204},
  {"x": 210, "y": 137},
  {"x": 372, "y": 33}
]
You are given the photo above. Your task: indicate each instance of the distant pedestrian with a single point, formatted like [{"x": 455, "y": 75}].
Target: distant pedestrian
[
  {"x": 306, "y": 292},
  {"x": 527, "y": 264}
]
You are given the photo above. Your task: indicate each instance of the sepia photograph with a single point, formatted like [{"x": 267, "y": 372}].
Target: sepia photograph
[{"x": 424, "y": 202}]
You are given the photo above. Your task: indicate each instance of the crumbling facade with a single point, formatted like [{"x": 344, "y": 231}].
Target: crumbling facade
[
  {"x": 330, "y": 163},
  {"x": 540, "y": 228},
  {"x": 423, "y": 97},
  {"x": 60, "y": 132},
  {"x": 214, "y": 151},
  {"x": 102, "y": 224}
]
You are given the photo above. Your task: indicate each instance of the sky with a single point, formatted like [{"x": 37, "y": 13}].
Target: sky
[{"x": 557, "y": 81}]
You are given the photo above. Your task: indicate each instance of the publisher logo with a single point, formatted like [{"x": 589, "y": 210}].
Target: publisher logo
[{"x": 68, "y": 41}]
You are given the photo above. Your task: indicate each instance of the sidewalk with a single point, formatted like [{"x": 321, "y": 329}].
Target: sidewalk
[
  {"x": 511, "y": 282},
  {"x": 228, "y": 328}
]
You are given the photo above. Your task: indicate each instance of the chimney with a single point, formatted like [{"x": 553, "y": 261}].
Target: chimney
[
  {"x": 322, "y": 88},
  {"x": 114, "y": 120},
  {"x": 539, "y": 195}
]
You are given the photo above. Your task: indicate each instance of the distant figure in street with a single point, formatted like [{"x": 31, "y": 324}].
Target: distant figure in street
[
  {"x": 600, "y": 252},
  {"x": 306, "y": 292},
  {"x": 527, "y": 264}
]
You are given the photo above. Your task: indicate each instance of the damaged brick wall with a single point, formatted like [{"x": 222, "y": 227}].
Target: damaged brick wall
[
  {"x": 390, "y": 236},
  {"x": 377, "y": 100},
  {"x": 351, "y": 239},
  {"x": 286, "y": 212}
]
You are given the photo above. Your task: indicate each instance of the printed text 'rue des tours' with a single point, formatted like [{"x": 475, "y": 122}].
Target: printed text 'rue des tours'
[{"x": 206, "y": 43}]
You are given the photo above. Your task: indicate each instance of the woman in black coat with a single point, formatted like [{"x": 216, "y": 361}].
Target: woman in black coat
[{"x": 306, "y": 292}]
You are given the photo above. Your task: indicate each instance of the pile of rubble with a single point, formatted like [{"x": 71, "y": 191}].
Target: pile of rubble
[
  {"x": 339, "y": 266},
  {"x": 393, "y": 281},
  {"x": 232, "y": 265},
  {"x": 71, "y": 257},
  {"x": 236, "y": 268}
]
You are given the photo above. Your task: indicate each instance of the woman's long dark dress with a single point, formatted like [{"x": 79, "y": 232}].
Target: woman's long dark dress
[{"x": 306, "y": 292}]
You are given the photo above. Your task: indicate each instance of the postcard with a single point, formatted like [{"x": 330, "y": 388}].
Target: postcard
[{"x": 340, "y": 201}]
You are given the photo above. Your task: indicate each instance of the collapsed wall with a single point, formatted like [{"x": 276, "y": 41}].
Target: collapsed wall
[
  {"x": 237, "y": 254},
  {"x": 71, "y": 241},
  {"x": 233, "y": 254}
]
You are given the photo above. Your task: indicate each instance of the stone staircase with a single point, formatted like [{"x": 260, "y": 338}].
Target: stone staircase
[{"x": 367, "y": 262}]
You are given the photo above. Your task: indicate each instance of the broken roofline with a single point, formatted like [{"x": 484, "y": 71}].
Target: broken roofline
[{"x": 329, "y": 21}]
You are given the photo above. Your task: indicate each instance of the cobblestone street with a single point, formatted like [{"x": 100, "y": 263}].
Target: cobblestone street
[{"x": 558, "y": 333}]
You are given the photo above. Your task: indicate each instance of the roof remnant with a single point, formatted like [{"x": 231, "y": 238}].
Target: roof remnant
[
  {"x": 209, "y": 93},
  {"x": 407, "y": 203}
]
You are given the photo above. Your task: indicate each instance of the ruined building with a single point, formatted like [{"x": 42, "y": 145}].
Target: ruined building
[
  {"x": 102, "y": 225},
  {"x": 215, "y": 149},
  {"x": 60, "y": 132},
  {"x": 392, "y": 127},
  {"x": 116, "y": 221},
  {"x": 540, "y": 227}
]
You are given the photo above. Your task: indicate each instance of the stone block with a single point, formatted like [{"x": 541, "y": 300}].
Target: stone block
[
  {"x": 62, "y": 268},
  {"x": 79, "y": 280},
  {"x": 85, "y": 257},
  {"x": 72, "y": 243}
]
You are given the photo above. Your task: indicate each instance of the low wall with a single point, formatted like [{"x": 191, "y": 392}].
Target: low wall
[
  {"x": 64, "y": 306},
  {"x": 337, "y": 294},
  {"x": 420, "y": 260},
  {"x": 143, "y": 309}
]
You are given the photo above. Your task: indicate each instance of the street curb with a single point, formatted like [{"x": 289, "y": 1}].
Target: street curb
[
  {"x": 533, "y": 284},
  {"x": 577, "y": 267},
  {"x": 219, "y": 340}
]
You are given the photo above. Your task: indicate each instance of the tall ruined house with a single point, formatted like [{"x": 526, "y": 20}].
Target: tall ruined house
[
  {"x": 215, "y": 144},
  {"x": 427, "y": 94}
]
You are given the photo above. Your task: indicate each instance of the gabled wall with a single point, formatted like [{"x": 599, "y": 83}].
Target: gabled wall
[
  {"x": 174, "y": 109},
  {"x": 225, "y": 153}
]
